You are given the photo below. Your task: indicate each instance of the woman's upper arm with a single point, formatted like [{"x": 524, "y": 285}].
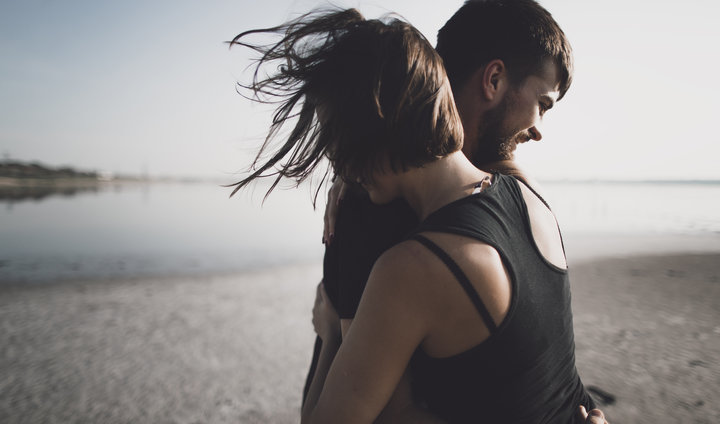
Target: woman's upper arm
[{"x": 389, "y": 325}]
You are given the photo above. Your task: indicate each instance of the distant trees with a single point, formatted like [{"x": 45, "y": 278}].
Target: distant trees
[{"x": 15, "y": 169}]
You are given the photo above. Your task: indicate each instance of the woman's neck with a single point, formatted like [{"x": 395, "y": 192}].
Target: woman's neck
[{"x": 438, "y": 183}]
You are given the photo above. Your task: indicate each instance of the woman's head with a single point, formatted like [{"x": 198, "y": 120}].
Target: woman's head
[{"x": 366, "y": 94}]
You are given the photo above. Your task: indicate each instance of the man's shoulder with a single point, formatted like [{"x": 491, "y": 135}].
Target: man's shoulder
[{"x": 371, "y": 228}]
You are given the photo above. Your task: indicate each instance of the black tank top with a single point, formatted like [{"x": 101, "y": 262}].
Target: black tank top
[{"x": 525, "y": 371}]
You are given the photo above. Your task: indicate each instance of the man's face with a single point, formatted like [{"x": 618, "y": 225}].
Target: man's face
[{"x": 517, "y": 118}]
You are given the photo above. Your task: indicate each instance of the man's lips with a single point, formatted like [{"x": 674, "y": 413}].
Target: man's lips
[{"x": 522, "y": 139}]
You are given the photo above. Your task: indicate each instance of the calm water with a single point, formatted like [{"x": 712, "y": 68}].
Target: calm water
[
  {"x": 159, "y": 228},
  {"x": 636, "y": 208},
  {"x": 173, "y": 228}
]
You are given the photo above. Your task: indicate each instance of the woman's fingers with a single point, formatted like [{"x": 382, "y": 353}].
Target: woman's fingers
[
  {"x": 321, "y": 291},
  {"x": 595, "y": 416},
  {"x": 335, "y": 195}
]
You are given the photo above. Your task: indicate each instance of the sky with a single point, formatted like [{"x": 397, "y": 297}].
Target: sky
[{"x": 148, "y": 86}]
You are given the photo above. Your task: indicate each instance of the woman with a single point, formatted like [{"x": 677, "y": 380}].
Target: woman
[{"x": 476, "y": 303}]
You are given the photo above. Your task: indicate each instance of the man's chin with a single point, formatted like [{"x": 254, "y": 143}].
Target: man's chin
[
  {"x": 506, "y": 150},
  {"x": 481, "y": 157},
  {"x": 494, "y": 150}
]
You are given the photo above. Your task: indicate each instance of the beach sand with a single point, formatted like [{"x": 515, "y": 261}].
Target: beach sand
[
  {"x": 647, "y": 332},
  {"x": 235, "y": 348}
]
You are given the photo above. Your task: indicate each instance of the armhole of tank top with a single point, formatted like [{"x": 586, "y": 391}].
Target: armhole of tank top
[
  {"x": 528, "y": 223},
  {"x": 462, "y": 279}
]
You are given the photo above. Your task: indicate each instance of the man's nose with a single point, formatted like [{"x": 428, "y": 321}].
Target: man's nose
[{"x": 535, "y": 133}]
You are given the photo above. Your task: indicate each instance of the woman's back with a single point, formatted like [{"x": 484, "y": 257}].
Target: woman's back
[{"x": 503, "y": 346}]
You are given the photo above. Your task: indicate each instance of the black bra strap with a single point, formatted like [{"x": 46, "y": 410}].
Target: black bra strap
[{"x": 462, "y": 279}]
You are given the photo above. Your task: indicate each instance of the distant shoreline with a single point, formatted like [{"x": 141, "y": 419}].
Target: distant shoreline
[
  {"x": 36, "y": 170},
  {"x": 18, "y": 173},
  {"x": 34, "y": 181},
  {"x": 36, "y": 188}
]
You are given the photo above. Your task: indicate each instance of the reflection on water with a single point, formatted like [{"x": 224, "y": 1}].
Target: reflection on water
[
  {"x": 161, "y": 228},
  {"x": 15, "y": 194},
  {"x": 124, "y": 230}
]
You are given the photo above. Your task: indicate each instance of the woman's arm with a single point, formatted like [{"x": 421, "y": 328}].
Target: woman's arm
[
  {"x": 401, "y": 408},
  {"x": 391, "y": 322}
]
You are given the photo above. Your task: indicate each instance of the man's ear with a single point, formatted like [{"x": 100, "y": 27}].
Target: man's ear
[{"x": 494, "y": 80}]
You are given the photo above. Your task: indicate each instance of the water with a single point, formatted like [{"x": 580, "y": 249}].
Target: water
[
  {"x": 636, "y": 208},
  {"x": 128, "y": 230}
]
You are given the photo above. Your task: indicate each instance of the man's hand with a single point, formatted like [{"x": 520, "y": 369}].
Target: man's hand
[
  {"x": 335, "y": 195},
  {"x": 595, "y": 416},
  {"x": 325, "y": 319}
]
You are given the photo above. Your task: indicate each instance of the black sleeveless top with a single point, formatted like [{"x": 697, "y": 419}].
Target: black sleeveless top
[
  {"x": 363, "y": 231},
  {"x": 525, "y": 371}
]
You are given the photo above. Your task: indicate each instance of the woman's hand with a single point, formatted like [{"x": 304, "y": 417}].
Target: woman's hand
[
  {"x": 325, "y": 319},
  {"x": 595, "y": 416},
  {"x": 335, "y": 195}
]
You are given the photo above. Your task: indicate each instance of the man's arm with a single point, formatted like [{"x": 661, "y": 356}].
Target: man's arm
[
  {"x": 327, "y": 326},
  {"x": 328, "y": 351}
]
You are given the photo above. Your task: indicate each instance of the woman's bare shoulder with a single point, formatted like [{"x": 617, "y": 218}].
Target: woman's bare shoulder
[
  {"x": 427, "y": 273},
  {"x": 404, "y": 275}
]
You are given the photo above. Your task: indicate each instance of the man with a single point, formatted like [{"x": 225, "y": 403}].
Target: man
[{"x": 490, "y": 48}]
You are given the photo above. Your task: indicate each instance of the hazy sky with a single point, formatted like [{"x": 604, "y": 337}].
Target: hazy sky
[{"x": 148, "y": 86}]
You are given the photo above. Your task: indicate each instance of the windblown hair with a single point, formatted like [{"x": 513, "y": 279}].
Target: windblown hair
[
  {"x": 366, "y": 94},
  {"x": 521, "y": 33}
]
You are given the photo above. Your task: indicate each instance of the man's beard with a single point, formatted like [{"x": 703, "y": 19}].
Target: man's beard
[{"x": 494, "y": 142}]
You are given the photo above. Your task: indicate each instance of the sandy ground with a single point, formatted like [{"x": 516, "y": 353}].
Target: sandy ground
[
  {"x": 648, "y": 334},
  {"x": 212, "y": 350},
  {"x": 235, "y": 348}
]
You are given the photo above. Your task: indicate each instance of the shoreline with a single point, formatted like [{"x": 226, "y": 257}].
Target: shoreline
[
  {"x": 235, "y": 347},
  {"x": 55, "y": 270}
]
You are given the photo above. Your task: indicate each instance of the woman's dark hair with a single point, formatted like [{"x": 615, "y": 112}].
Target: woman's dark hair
[
  {"x": 519, "y": 32},
  {"x": 366, "y": 94}
]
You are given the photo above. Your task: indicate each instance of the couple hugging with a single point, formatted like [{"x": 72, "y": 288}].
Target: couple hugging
[{"x": 445, "y": 295}]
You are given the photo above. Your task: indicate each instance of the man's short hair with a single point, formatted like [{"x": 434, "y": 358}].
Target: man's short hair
[{"x": 521, "y": 33}]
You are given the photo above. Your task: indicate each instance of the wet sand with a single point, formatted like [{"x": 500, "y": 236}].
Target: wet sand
[{"x": 235, "y": 348}]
